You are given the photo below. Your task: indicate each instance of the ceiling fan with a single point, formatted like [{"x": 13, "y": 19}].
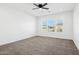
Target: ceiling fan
[{"x": 40, "y": 6}]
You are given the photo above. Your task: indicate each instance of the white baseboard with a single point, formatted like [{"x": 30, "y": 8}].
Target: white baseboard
[
  {"x": 56, "y": 37},
  {"x": 77, "y": 44},
  {"x": 25, "y": 37}
]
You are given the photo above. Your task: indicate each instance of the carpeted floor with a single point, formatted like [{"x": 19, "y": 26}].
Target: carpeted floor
[{"x": 40, "y": 46}]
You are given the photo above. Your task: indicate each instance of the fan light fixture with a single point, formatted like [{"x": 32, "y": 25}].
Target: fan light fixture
[{"x": 40, "y": 6}]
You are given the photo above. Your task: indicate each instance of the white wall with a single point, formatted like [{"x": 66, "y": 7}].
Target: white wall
[
  {"x": 76, "y": 25},
  {"x": 15, "y": 25},
  {"x": 67, "y": 25}
]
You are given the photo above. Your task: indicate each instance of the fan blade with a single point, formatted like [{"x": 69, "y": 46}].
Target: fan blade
[
  {"x": 45, "y": 8},
  {"x": 35, "y": 4},
  {"x": 44, "y": 4},
  {"x": 35, "y": 8}
]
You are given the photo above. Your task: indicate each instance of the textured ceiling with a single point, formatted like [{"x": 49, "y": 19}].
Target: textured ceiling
[{"x": 53, "y": 8}]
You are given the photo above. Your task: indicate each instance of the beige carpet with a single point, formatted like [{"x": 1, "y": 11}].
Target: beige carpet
[{"x": 40, "y": 46}]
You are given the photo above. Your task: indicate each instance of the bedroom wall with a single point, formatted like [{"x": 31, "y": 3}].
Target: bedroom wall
[
  {"x": 76, "y": 25},
  {"x": 15, "y": 25},
  {"x": 67, "y": 25}
]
